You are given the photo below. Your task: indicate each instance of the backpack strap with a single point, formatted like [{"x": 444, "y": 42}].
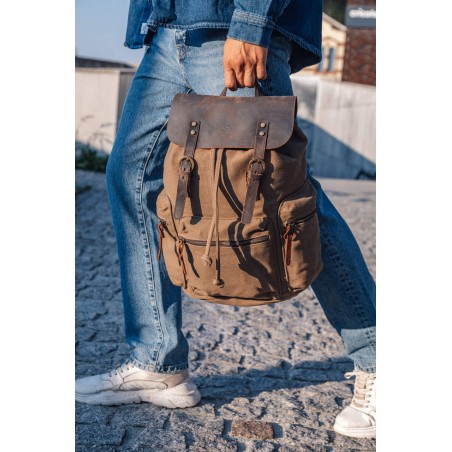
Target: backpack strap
[
  {"x": 186, "y": 165},
  {"x": 255, "y": 171}
]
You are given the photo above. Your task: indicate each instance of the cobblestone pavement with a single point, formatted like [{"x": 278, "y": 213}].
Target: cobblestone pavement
[{"x": 271, "y": 378}]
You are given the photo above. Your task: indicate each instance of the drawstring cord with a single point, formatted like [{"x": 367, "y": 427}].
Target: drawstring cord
[
  {"x": 217, "y": 155},
  {"x": 205, "y": 258},
  {"x": 180, "y": 257},
  {"x": 162, "y": 236},
  {"x": 218, "y": 281}
]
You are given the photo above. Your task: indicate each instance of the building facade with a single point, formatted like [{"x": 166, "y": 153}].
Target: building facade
[
  {"x": 360, "y": 46},
  {"x": 333, "y": 47}
]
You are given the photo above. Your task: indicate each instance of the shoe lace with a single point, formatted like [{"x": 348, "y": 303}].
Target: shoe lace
[
  {"x": 363, "y": 387},
  {"x": 121, "y": 368}
]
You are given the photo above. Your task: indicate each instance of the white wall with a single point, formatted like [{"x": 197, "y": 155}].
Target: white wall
[
  {"x": 339, "y": 121},
  {"x": 98, "y": 103}
]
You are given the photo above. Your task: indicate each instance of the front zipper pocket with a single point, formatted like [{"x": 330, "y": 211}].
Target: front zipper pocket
[
  {"x": 247, "y": 258},
  {"x": 300, "y": 234},
  {"x": 230, "y": 243}
]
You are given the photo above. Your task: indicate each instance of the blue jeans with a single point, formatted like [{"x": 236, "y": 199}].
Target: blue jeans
[{"x": 183, "y": 61}]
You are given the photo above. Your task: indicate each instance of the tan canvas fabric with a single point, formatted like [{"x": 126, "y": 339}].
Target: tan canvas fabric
[{"x": 235, "y": 229}]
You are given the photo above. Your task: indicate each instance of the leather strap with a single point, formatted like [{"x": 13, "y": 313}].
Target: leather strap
[
  {"x": 255, "y": 171},
  {"x": 186, "y": 165}
]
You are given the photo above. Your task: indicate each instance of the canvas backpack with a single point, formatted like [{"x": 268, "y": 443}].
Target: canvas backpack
[{"x": 238, "y": 221}]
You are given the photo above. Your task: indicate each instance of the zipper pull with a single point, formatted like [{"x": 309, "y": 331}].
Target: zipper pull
[
  {"x": 162, "y": 236},
  {"x": 180, "y": 257},
  {"x": 289, "y": 235}
]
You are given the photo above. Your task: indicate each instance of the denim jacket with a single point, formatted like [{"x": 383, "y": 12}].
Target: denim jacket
[{"x": 251, "y": 21}]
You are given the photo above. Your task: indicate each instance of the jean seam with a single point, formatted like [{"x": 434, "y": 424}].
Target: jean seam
[
  {"x": 171, "y": 368},
  {"x": 148, "y": 253},
  {"x": 179, "y": 59},
  {"x": 252, "y": 19},
  {"x": 335, "y": 257},
  {"x": 328, "y": 247},
  {"x": 367, "y": 369}
]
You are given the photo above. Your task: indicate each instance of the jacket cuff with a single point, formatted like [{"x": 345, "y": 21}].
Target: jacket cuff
[{"x": 251, "y": 28}]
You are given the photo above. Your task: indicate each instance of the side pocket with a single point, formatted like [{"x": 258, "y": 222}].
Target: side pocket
[
  {"x": 300, "y": 231},
  {"x": 168, "y": 240}
]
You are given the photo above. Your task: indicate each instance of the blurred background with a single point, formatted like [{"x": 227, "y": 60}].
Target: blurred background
[{"x": 336, "y": 98}]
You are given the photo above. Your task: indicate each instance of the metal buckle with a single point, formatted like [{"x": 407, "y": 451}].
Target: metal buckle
[
  {"x": 260, "y": 161},
  {"x": 189, "y": 159}
]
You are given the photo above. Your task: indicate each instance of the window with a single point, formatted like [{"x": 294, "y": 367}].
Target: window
[{"x": 331, "y": 57}]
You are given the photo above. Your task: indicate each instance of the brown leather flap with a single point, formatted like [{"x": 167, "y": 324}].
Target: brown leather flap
[{"x": 230, "y": 122}]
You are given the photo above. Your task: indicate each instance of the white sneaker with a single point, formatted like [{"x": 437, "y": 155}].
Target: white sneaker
[
  {"x": 359, "y": 419},
  {"x": 129, "y": 384}
]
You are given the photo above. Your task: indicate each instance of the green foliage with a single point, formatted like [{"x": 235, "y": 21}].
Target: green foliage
[
  {"x": 89, "y": 154},
  {"x": 89, "y": 159}
]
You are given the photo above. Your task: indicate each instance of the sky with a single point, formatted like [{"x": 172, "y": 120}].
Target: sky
[{"x": 100, "y": 27}]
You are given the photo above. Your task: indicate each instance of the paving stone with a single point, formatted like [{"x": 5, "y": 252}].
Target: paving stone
[
  {"x": 302, "y": 436},
  {"x": 284, "y": 407},
  {"x": 93, "y": 414},
  {"x": 85, "y": 333},
  {"x": 200, "y": 420},
  {"x": 85, "y": 368},
  {"x": 93, "y": 448},
  {"x": 99, "y": 293},
  {"x": 341, "y": 442},
  {"x": 92, "y": 349},
  {"x": 304, "y": 448},
  {"x": 316, "y": 365},
  {"x": 240, "y": 408},
  {"x": 315, "y": 375},
  {"x": 104, "y": 281},
  {"x": 109, "y": 333},
  {"x": 204, "y": 441},
  {"x": 90, "y": 310},
  {"x": 157, "y": 440},
  {"x": 122, "y": 353},
  {"x": 203, "y": 411},
  {"x": 269, "y": 384},
  {"x": 252, "y": 429},
  {"x": 98, "y": 435},
  {"x": 261, "y": 446},
  {"x": 140, "y": 415}
]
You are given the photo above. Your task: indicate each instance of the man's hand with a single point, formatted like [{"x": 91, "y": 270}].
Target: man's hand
[{"x": 244, "y": 64}]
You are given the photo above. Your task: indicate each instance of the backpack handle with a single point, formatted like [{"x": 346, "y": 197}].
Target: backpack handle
[{"x": 257, "y": 91}]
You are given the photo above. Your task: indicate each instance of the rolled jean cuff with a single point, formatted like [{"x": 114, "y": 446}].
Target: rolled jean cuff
[
  {"x": 157, "y": 368},
  {"x": 367, "y": 369}
]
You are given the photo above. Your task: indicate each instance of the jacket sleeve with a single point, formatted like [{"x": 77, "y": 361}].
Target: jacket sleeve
[{"x": 253, "y": 20}]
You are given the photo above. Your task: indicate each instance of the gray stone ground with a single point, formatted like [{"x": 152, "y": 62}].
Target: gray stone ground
[{"x": 280, "y": 366}]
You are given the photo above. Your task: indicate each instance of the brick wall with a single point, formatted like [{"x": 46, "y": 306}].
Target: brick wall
[{"x": 360, "y": 52}]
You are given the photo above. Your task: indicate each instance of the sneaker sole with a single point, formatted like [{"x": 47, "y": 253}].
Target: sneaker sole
[
  {"x": 367, "y": 432},
  {"x": 184, "y": 395}
]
